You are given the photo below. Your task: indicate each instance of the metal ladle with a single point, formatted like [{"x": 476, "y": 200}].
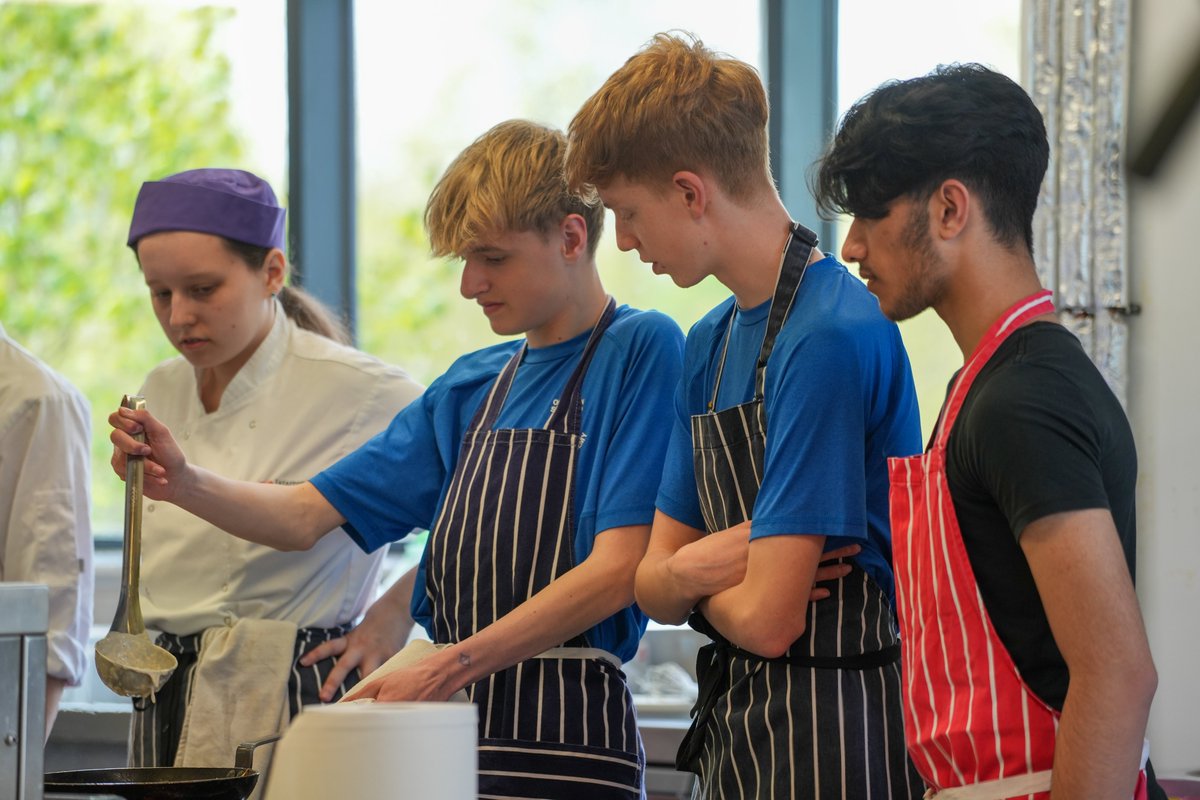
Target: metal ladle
[{"x": 128, "y": 662}]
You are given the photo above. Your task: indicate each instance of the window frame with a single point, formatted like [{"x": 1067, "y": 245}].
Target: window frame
[{"x": 799, "y": 42}]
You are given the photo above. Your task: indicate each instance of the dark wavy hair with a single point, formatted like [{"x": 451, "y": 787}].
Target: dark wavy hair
[{"x": 961, "y": 121}]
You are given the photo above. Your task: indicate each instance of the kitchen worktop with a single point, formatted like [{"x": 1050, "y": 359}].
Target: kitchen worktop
[
  {"x": 95, "y": 738},
  {"x": 104, "y": 730},
  {"x": 92, "y": 727},
  {"x": 661, "y": 737}
]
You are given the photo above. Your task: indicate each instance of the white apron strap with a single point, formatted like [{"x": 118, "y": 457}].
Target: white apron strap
[
  {"x": 1013, "y": 786},
  {"x": 418, "y": 649},
  {"x": 583, "y": 653}
]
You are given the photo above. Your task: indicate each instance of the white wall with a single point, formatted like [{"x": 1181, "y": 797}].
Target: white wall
[{"x": 1164, "y": 390}]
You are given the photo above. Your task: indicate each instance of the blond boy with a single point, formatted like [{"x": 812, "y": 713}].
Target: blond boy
[
  {"x": 533, "y": 464},
  {"x": 794, "y": 392}
]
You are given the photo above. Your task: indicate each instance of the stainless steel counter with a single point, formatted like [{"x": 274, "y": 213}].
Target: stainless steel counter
[
  {"x": 661, "y": 737},
  {"x": 92, "y": 739},
  {"x": 23, "y": 690}
]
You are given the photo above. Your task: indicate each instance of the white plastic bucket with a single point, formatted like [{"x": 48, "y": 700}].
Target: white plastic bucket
[{"x": 378, "y": 751}]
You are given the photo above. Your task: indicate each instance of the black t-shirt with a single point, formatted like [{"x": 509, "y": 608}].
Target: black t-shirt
[{"x": 1040, "y": 432}]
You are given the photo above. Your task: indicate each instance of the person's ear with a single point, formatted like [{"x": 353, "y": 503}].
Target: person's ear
[
  {"x": 275, "y": 269},
  {"x": 692, "y": 190},
  {"x": 950, "y": 208},
  {"x": 574, "y": 235}
]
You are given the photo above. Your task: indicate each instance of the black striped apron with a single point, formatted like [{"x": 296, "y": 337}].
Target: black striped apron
[
  {"x": 824, "y": 720},
  {"x": 549, "y": 727},
  {"x": 155, "y": 727}
]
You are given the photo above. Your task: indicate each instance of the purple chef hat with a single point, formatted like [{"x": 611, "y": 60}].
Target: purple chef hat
[{"x": 225, "y": 202}]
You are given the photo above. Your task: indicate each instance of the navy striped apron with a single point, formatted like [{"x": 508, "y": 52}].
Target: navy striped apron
[
  {"x": 824, "y": 720},
  {"x": 562, "y": 724},
  {"x": 155, "y": 727}
]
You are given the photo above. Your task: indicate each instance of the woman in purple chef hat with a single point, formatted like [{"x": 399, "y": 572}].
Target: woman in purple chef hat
[{"x": 264, "y": 389}]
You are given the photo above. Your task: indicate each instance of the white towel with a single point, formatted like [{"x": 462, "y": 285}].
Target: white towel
[{"x": 238, "y": 693}]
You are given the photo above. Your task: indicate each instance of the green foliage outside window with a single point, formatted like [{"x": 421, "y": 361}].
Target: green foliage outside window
[
  {"x": 95, "y": 99},
  {"x": 410, "y": 311}
]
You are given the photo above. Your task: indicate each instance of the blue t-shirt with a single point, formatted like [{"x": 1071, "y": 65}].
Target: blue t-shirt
[
  {"x": 839, "y": 400},
  {"x": 397, "y": 481}
]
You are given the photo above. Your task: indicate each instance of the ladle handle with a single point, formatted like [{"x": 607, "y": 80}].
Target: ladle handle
[{"x": 128, "y": 618}]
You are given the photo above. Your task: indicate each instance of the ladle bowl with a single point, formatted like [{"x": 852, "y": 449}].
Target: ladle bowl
[
  {"x": 127, "y": 661},
  {"x": 132, "y": 665}
]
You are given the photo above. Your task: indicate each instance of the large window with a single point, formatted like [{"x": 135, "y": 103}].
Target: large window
[
  {"x": 881, "y": 40},
  {"x": 431, "y": 78},
  {"x": 94, "y": 100}
]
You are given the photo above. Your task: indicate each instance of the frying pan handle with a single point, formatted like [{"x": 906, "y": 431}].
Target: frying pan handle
[{"x": 245, "y": 751}]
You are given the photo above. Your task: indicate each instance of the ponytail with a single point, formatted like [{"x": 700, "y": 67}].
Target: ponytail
[
  {"x": 301, "y": 307},
  {"x": 311, "y": 314}
]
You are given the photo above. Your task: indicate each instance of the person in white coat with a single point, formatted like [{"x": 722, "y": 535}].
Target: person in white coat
[
  {"x": 45, "y": 508},
  {"x": 263, "y": 389}
]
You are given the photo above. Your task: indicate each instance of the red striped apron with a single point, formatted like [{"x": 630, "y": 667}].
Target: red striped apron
[{"x": 970, "y": 720}]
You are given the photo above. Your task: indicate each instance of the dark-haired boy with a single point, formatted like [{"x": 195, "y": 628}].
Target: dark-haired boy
[{"x": 1026, "y": 663}]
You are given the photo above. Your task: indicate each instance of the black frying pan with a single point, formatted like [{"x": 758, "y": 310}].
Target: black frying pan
[{"x": 165, "y": 783}]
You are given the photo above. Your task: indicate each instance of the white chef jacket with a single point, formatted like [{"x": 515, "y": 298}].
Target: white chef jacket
[
  {"x": 45, "y": 506},
  {"x": 300, "y": 403}
]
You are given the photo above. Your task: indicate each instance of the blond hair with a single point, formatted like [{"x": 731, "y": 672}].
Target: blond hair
[
  {"x": 509, "y": 179},
  {"x": 675, "y": 105}
]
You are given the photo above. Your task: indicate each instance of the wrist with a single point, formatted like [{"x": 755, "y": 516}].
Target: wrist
[
  {"x": 187, "y": 487},
  {"x": 451, "y": 669}
]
